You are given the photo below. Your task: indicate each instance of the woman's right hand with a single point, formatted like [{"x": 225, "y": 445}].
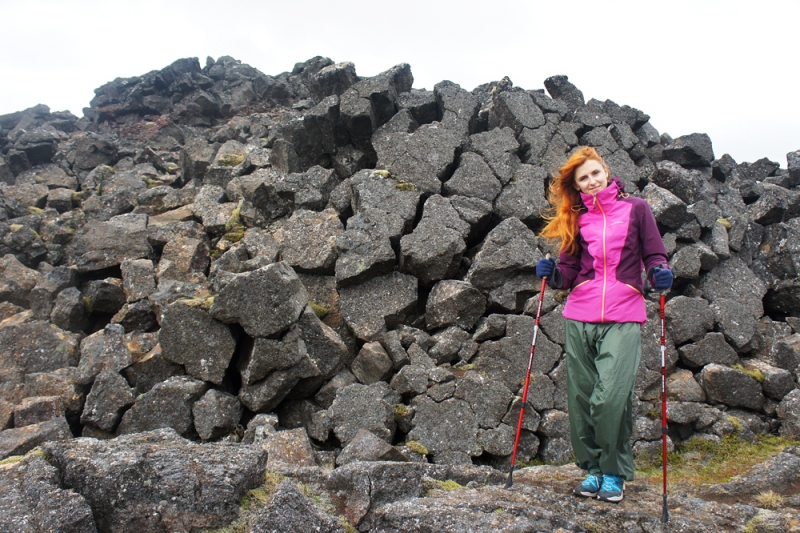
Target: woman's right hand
[{"x": 545, "y": 267}]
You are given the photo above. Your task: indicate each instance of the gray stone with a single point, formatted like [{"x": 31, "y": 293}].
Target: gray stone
[
  {"x": 138, "y": 279},
  {"x": 367, "y": 447},
  {"x": 444, "y": 428},
  {"x": 35, "y": 346},
  {"x": 123, "y": 480},
  {"x": 105, "y": 295},
  {"x": 556, "y": 450},
  {"x": 360, "y": 406},
  {"x": 735, "y": 321},
  {"x": 440, "y": 211},
  {"x": 364, "y": 249},
  {"x": 43, "y": 295},
  {"x": 104, "y": 350},
  {"x": 524, "y": 196},
  {"x": 560, "y": 88},
  {"x": 690, "y": 150},
  {"x": 410, "y": 380},
  {"x": 488, "y": 399},
  {"x": 391, "y": 343},
  {"x": 506, "y": 360},
  {"x": 189, "y": 336},
  {"x": 509, "y": 249},
  {"x": 449, "y": 344},
  {"x": 69, "y": 310},
  {"x": 473, "y": 178},
  {"x": 732, "y": 279},
  {"x": 777, "y": 381},
  {"x": 216, "y": 414},
  {"x": 19, "y": 441},
  {"x": 18, "y": 281},
  {"x": 105, "y": 244},
  {"x": 109, "y": 396},
  {"x": 378, "y": 305},
  {"x": 422, "y": 158},
  {"x": 516, "y": 110},
  {"x": 62, "y": 383},
  {"x": 431, "y": 252},
  {"x": 489, "y": 328},
  {"x": 711, "y": 349},
  {"x": 497, "y": 441},
  {"x": 33, "y": 500},
  {"x": 771, "y": 206},
  {"x": 498, "y": 148},
  {"x": 554, "y": 423},
  {"x": 167, "y": 405},
  {"x": 682, "y": 387},
  {"x": 308, "y": 240},
  {"x": 688, "y": 185},
  {"x": 688, "y": 318},
  {"x": 371, "y": 364},
  {"x": 282, "y": 298},
  {"x": 667, "y": 208},
  {"x": 731, "y": 387},
  {"x": 36, "y": 409},
  {"x": 789, "y": 412},
  {"x": 291, "y": 511}
]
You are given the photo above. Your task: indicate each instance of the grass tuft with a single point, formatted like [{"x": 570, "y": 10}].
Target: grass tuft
[
  {"x": 319, "y": 310},
  {"x": 770, "y": 499}
]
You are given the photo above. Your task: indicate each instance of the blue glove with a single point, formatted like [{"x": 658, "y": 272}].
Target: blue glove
[
  {"x": 545, "y": 268},
  {"x": 662, "y": 278}
]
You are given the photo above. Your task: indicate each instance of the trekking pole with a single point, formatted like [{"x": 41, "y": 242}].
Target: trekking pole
[
  {"x": 665, "y": 511},
  {"x": 527, "y": 382}
]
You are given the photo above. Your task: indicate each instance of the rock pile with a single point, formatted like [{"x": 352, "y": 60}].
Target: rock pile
[{"x": 223, "y": 253}]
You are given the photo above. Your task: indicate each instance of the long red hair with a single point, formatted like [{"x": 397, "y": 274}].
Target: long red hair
[{"x": 565, "y": 201}]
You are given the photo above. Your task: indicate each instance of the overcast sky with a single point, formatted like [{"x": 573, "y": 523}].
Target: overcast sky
[{"x": 730, "y": 69}]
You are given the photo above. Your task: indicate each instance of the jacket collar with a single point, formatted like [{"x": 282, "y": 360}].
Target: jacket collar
[{"x": 606, "y": 196}]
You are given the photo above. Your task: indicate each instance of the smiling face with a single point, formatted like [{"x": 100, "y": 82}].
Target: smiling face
[{"x": 591, "y": 177}]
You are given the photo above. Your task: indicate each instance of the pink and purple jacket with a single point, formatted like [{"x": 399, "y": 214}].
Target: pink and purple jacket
[{"x": 618, "y": 240}]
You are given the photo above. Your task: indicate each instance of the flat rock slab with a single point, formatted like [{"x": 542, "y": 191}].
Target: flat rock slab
[
  {"x": 18, "y": 441},
  {"x": 156, "y": 482},
  {"x": 373, "y": 307}
]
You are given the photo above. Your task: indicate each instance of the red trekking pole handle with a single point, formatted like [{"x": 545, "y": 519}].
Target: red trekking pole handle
[{"x": 510, "y": 481}]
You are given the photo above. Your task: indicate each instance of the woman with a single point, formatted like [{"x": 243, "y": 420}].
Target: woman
[{"x": 606, "y": 237}]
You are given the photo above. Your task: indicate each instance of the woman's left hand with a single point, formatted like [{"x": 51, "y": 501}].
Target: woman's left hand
[{"x": 662, "y": 279}]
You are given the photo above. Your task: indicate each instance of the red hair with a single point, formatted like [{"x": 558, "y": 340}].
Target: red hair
[{"x": 566, "y": 203}]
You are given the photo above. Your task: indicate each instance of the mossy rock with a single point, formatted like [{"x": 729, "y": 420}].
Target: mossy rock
[
  {"x": 725, "y": 222},
  {"x": 405, "y": 186},
  {"x": 35, "y": 211},
  {"x": 319, "y": 310},
  {"x": 417, "y": 447},
  {"x": 230, "y": 160},
  {"x": 202, "y": 302}
]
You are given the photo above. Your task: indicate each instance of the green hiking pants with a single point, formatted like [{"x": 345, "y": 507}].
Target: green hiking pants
[{"x": 602, "y": 360}]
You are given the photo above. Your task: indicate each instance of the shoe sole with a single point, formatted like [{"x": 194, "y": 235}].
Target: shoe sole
[{"x": 584, "y": 494}]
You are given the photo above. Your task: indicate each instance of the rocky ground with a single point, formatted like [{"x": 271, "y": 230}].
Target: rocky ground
[{"x": 322, "y": 269}]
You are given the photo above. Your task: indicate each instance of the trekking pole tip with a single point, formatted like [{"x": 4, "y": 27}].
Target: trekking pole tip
[
  {"x": 510, "y": 480},
  {"x": 665, "y": 511}
]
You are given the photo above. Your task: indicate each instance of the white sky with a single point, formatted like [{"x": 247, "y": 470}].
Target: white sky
[{"x": 727, "y": 68}]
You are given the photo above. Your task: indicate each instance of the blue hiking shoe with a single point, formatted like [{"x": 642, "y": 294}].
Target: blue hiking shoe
[
  {"x": 589, "y": 487},
  {"x": 612, "y": 490}
]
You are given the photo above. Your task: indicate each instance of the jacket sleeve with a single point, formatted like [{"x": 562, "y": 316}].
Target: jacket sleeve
[
  {"x": 566, "y": 271},
  {"x": 654, "y": 253}
]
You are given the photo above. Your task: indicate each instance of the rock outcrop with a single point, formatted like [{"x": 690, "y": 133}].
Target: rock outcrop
[{"x": 216, "y": 252}]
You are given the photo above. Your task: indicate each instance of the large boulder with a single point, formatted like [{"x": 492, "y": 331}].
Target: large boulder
[
  {"x": 448, "y": 430},
  {"x": 360, "y": 406},
  {"x": 454, "y": 303},
  {"x": 378, "y": 305},
  {"x": 281, "y": 299},
  {"x": 167, "y": 405},
  {"x": 731, "y": 387},
  {"x": 153, "y": 481},
  {"x": 36, "y": 346},
  {"x": 105, "y": 244},
  {"x": 33, "y": 500},
  {"x": 189, "y": 336},
  {"x": 509, "y": 249}
]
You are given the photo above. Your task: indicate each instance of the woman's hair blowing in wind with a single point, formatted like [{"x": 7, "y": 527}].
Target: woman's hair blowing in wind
[{"x": 565, "y": 201}]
